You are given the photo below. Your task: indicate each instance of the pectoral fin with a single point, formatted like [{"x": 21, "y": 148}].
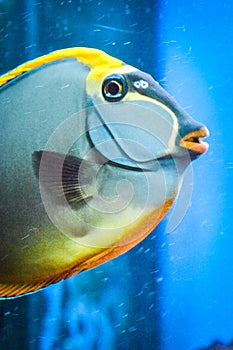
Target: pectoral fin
[{"x": 64, "y": 175}]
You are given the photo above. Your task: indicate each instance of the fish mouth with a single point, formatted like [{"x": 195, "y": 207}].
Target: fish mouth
[{"x": 193, "y": 141}]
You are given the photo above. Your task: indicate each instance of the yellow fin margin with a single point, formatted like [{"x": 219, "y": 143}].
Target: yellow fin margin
[{"x": 97, "y": 60}]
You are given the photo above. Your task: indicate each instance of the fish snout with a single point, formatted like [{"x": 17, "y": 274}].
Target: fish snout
[{"x": 194, "y": 143}]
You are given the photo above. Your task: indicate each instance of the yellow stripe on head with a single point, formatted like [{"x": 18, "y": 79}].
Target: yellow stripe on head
[{"x": 97, "y": 60}]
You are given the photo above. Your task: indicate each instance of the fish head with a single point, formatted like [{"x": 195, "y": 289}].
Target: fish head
[{"x": 133, "y": 121}]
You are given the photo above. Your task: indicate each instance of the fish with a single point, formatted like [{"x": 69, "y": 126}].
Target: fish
[{"x": 92, "y": 155}]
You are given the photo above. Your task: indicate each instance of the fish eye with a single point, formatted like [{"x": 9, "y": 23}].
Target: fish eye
[{"x": 114, "y": 88}]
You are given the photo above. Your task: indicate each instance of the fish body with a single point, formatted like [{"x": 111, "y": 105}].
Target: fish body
[{"x": 92, "y": 153}]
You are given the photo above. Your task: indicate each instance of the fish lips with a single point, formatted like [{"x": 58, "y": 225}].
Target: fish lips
[{"x": 194, "y": 143}]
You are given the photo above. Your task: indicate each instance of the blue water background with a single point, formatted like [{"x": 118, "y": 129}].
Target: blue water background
[{"x": 196, "y": 56}]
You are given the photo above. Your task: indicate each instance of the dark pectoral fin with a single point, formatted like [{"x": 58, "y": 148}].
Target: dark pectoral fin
[{"x": 64, "y": 175}]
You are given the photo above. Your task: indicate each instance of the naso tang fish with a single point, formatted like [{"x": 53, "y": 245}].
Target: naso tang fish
[{"x": 92, "y": 153}]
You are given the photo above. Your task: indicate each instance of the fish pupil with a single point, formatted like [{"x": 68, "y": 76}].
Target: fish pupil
[{"x": 113, "y": 88}]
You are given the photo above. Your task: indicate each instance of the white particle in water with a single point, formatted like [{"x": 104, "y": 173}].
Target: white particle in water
[
  {"x": 159, "y": 279},
  {"x": 132, "y": 329}
]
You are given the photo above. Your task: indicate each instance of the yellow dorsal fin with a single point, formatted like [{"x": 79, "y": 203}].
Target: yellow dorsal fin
[{"x": 97, "y": 60}]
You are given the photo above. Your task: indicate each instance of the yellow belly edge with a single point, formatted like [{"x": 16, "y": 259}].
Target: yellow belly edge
[{"x": 92, "y": 256}]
